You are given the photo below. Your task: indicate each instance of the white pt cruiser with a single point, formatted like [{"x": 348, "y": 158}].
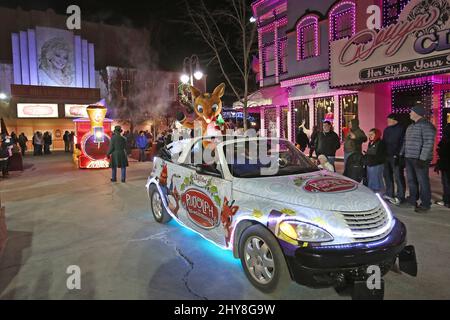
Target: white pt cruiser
[{"x": 295, "y": 222}]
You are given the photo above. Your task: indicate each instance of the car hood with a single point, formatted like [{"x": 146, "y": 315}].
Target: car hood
[{"x": 319, "y": 190}]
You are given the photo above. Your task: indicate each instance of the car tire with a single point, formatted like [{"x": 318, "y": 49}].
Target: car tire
[
  {"x": 266, "y": 268},
  {"x": 157, "y": 207}
]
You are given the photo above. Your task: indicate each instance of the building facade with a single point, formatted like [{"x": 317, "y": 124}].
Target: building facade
[
  {"x": 346, "y": 59},
  {"x": 49, "y": 74}
]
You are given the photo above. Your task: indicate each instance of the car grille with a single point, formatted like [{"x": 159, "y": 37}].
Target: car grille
[{"x": 364, "y": 225}]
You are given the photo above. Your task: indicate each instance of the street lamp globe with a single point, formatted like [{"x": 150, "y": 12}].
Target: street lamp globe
[
  {"x": 198, "y": 75},
  {"x": 3, "y": 96},
  {"x": 184, "y": 79}
]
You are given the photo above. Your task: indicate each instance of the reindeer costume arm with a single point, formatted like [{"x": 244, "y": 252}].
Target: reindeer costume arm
[{"x": 181, "y": 118}]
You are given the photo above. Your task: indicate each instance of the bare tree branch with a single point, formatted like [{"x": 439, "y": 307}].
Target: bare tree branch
[{"x": 233, "y": 58}]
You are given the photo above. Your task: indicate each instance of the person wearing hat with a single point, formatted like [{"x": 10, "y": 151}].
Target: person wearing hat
[
  {"x": 394, "y": 168},
  {"x": 118, "y": 153},
  {"x": 418, "y": 152},
  {"x": 354, "y": 140}
]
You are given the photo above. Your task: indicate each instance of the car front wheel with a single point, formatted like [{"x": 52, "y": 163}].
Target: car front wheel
[
  {"x": 157, "y": 207},
  {"x": 263, "y": 260}
]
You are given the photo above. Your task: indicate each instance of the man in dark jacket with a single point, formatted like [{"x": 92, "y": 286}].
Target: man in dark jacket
[
  {"x": 394, "y": 169},
  {"x": 302, "y": 140},
  {"x": 418, "y": 152},
  {"x": 118, "y": 153},
  {"x": 354, "y": 140},
  {"x": 66, "y": 139},
  {"x": 312, "y": 143},
  {"x": 327, "y": 142},
  {"x": 23, "y": 143}
]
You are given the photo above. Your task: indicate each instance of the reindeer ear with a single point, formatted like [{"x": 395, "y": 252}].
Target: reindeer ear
[
  {"x": 234, "y": 210},
  {"x": 195, "y": 92},
  {"x": 220, "y": 90},
  {"x": 225, "y": 201}
]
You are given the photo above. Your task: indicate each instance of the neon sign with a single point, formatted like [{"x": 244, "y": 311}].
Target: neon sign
[{"x": 417, "y": 45}]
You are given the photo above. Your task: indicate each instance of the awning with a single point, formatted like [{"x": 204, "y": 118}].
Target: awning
[
  {"x": 269, "y": 96},
  {"x": 256, "y": 99}
]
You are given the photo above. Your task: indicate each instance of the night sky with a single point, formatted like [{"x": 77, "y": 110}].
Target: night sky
[{"x": 163, "y": 17}]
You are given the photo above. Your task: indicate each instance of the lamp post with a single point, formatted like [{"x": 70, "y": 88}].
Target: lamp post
[{"x": 191, "y": 70}]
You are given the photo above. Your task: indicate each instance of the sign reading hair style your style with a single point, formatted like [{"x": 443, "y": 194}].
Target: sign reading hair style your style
[{"x": 418, "y": 44}]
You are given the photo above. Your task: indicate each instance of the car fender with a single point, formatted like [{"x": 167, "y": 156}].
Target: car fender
[{"x": 240, "y": 225}]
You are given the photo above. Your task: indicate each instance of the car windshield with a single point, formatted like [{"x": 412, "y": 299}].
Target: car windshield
[{"x": 266, "y": 158}]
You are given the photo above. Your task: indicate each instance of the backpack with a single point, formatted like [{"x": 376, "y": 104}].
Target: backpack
[{"x": 355, "y": 168}]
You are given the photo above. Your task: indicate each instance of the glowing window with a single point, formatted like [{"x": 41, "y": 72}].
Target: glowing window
[
  {"x": 342, "y": 20},
  {"x": 308, "y": 37}
]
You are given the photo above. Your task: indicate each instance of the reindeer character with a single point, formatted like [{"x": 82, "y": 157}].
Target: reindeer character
[
  {"x": 207, "y": 108},
  {"x": 228, "y": 212},
  {"x": 169, "y": 191}
]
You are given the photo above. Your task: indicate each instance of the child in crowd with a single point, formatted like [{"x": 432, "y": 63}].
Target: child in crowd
[
  {"x": 76, "y": 154},
  {"x": 324, "y": 164},
  {"x": 376, "y": 156}
]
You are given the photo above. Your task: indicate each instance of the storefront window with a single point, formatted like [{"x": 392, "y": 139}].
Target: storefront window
[
  {"x": 301, "y": 109},
  {"x": 270, "y": 122},
  {"x": 406, "y": 97},
  {"x": 349, "y": 111},
  {"x": 254, "y": 121},
  {"x": 284, "y": 123},
  {"x": 323, "y": 110}
]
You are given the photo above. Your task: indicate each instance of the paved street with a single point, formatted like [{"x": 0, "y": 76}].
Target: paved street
[{"x": 58, "y": 216}]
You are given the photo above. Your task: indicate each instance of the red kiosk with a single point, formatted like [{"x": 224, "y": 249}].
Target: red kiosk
[{"x": 92, "y": 139}]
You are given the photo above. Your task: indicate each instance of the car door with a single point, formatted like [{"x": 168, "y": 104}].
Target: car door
[{"x": 205, "y": 200}]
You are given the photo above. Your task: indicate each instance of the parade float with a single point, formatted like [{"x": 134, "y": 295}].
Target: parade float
[
  {"x": 295, "y": 222},
  {"x": 92, "y": 138}
]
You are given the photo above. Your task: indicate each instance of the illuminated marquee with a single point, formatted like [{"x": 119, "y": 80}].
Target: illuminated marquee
[
  {"x": 418, "y": 44},
  {"x": 75, "y": 111},
  {"x": 37, "y": 110}
]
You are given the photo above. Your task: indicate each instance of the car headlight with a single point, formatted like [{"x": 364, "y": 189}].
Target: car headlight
[{"x": 305, "y": 232}]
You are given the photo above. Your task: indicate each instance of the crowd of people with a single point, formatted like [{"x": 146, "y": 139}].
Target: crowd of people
[
  {"x": 388, "y": 156},
  {"x": 41, "y": 143},
  {"x": 141, "y": 140},
  {"x": 69, "y": 141},
  {"x": 6, "y": 152}
]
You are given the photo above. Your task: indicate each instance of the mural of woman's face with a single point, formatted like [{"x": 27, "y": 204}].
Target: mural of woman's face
[{"x": 59, "y": 59}]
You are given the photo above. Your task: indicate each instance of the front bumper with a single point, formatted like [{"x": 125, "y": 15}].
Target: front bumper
[{"x": 329, "y": 265}]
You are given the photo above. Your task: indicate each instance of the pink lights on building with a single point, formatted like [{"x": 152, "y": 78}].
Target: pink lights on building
[
  {"x": 308, "y": 37},
  {"x": 342, "y": 20},
  {"x": 277, "y": 45},
  {"x": 259, "y": 3},
  {"x": 306, "y": 80}
]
